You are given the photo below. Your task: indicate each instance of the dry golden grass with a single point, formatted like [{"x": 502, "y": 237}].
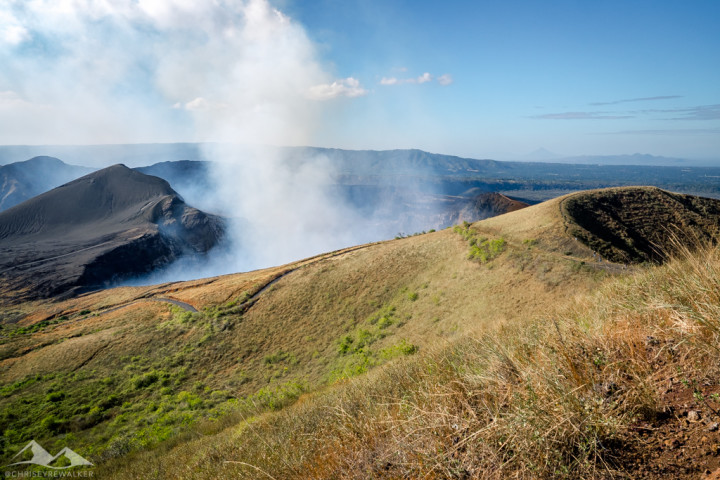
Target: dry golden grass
[
  {"x": 394, "y": 296},
  {"x": 553, "y": 396},
  {"x": 507, "y": 381}
]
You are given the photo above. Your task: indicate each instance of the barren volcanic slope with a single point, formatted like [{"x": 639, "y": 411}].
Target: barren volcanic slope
[
  {"x": 486, "y": 205},
  {"x": 99, "y": 228},
  {"x": 23, "y": 180}
]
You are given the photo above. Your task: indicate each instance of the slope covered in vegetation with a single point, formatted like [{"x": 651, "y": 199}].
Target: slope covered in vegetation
[
  {"x": 120, "y": 370},
  {"x": 620, "y": 384},
  {"x": 493, "y": 349}
]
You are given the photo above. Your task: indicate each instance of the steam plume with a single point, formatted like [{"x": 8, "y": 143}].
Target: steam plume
[{"x": 229, "y": 72}]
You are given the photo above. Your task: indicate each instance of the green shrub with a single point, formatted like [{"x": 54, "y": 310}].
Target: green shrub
[
  {"x": 52, "y": 424},
  {"x": 276, "y": 398},
  {"x": 384, "y": 322},
  {"x": 110, "y": 402},
  {"x": 403, "y": 348},
  {"x": 55, "y": 396},
  {"x": 345, "y": 345},
  {"x": 486, "y": 250},
  {"x": 145, "y": 380},
  {"x": 481, "y": 248}
]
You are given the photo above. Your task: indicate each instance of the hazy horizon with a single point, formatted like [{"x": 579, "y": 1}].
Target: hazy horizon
[{"x": 21, "y": 152}]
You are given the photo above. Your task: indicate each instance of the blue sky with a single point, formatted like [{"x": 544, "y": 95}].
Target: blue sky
[{"x": 473, "y": 78}]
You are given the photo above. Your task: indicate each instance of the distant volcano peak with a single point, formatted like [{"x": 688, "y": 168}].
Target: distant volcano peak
[{"x": 100, "y": 228}]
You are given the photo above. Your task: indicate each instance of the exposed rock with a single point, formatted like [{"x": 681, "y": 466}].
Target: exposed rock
[{"x": 640, "y": 224}]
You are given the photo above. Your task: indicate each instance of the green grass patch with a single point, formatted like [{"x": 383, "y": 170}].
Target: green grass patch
[
  {"x": 356, "y": 351},
  {"x": 482, "y": 249}
]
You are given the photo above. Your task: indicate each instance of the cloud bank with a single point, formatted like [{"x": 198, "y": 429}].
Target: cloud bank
[
  {"x": 157, "y": 70},
  {"x": 697, "y": 113},
  {"x": 347, "y": 87},
  {"x": 231, "y": 72}
]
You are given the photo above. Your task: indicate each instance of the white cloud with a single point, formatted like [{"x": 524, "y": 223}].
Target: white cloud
[
  {"x": 11, "y": 30},
  {"x": 15, "y": 34},
  {"x": 445, "y": 79},
  {"x": 201, "y": 104},
  {"x": 9, "y": 98},
  {"x": 424, "y": 78},
  {"x": 347, "y": 87},
  {"x": 238, "y": 71}
]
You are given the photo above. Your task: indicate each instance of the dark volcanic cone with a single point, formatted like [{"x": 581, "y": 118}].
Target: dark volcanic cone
[{"x": 96, "y": 230}]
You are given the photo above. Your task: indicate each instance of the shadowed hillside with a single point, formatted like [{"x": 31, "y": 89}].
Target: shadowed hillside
[
  {"x": 102, "y": 227},
  {"x": 398, "y": 210},
  {"x": 484, "y": 204},
  {"x": 640, "y": 224},
  {"x": 191, "y": 179}
]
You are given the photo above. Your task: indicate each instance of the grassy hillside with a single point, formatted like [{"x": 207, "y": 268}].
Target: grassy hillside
[
  {"x": 118, "y": 370},
  {"x": 484, "y": 369},
  {"x": 619, "y": 384}
]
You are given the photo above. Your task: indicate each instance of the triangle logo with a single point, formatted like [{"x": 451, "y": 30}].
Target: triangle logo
[{"x": 65, "y": 458}]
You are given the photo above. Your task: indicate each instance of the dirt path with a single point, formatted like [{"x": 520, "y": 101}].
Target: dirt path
[
  {"x": 310, "y": 261},
  {"x": 185, "y": 306},
  {"x": 250, "y": 301}
]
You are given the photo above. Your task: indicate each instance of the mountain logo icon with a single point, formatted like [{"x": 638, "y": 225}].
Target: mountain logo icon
[{"x": 41, "y": 457}]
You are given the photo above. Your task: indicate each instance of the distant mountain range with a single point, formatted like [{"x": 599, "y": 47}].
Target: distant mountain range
[
  {"x": 546, "y": 156},
  {"x": 23, "y": 180},
  {"x": 138, "y": 155},
  {"x": 133, "y": 155},
  {"x": 365, "y": 176},
  {"x": 634, "y": 159}
]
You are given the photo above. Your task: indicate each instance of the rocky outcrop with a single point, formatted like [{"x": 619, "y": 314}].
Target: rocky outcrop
[{"x": 640, "y": 224}]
